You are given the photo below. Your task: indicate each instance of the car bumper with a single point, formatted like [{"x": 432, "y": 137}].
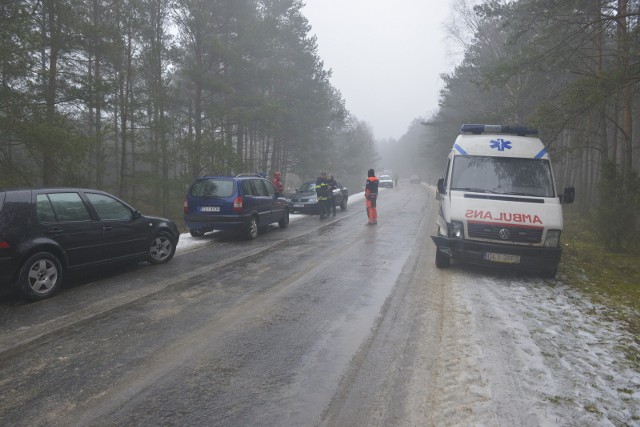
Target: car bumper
[
  {"x": 219, "y": 222},
  {"x": 8, "y": 267},
  {"x": 529, "y": 258},
  {"x": 310, "y": 208}
]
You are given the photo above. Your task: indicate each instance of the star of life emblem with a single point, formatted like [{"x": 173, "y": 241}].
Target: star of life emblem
[{"x": 501, "y": 144}]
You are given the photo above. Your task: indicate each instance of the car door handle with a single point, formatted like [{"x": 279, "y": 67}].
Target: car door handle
[
  {"x": 107, "y": 228},
  {"x": 55, "y": 230}
]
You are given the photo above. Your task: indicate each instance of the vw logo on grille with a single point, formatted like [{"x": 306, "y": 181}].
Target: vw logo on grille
[{"x": 504, "y": 233}]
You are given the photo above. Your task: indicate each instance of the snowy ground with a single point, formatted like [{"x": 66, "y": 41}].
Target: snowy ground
[{"x": 535, "y": 353}]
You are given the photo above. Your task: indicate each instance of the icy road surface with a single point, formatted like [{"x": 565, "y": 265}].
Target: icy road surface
[{"x": 326, "y": 323}]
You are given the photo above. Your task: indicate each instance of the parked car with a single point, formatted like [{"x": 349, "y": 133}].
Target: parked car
[
  {"x": 304, "y": 200},
  {"x": 244, "y": 203},
  {"x": 415, "y": 179},
  {"x": 385, "y": 181},
  {"x": 45, "y": 233}
]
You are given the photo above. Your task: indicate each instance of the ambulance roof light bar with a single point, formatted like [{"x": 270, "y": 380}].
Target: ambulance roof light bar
[{"x": 515, "y": 130}]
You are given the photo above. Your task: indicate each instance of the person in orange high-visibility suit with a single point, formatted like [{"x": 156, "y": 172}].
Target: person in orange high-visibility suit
[{"x": 370, "y": 195}]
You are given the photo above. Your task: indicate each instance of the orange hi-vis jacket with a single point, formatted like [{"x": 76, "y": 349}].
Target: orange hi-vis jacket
[{"x": 371, "y": 188}]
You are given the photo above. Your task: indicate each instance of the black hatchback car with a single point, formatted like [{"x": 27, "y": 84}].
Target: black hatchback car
[
  {"x": 46, "y": 232},
  {"x": 244, "y": 203}
]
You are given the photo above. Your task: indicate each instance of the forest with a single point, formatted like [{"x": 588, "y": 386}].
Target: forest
[
  {"x": 569, "y": 68},
  {"x": 139, "y": 97}
]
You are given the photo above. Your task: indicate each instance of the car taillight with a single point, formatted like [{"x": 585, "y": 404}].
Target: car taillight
[
  {"x": 185, "y": 205},
  {"x": 4, "y": 245},
  {"x": 237, "y": 204}
]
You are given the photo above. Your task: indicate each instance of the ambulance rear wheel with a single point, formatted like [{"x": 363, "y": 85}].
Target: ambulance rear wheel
[{"x": 442, "y": 260}]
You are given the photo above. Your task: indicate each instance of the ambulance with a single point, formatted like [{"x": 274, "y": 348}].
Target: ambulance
[{"x": 498, "y": 201}]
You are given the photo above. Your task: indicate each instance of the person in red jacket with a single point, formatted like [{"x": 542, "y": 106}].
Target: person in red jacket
[
  {"x": 278, "y": 184},
  {"x": 370, "y": 195}
]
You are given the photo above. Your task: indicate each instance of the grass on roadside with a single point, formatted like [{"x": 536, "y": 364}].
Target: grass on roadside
[{"x": 608, "y": 278}]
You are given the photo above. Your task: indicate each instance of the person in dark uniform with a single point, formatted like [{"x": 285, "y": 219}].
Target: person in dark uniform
[
  {"x": 370, "y": 195},
  {"x": 322, "y": 194},
  {"x": 333, "y": 184}
]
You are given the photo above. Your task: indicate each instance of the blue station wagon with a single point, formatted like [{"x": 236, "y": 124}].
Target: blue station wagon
[{"x": 243, "y": 203}]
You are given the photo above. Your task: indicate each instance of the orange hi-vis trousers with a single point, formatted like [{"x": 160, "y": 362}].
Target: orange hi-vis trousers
[{"x": 372, "y": 212}]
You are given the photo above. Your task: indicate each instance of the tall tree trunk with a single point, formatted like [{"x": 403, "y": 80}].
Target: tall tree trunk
[
  {"x": 126, "y": 78},
  {"x": 196, "y": 153},
  {"x": 627, "y": 94},
  {"x": 49, "y": 149},
  {"x": 97, "y": 96}
]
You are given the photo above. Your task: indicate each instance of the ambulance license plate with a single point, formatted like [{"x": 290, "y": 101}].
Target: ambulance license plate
[{"x": 503, "y": 258}]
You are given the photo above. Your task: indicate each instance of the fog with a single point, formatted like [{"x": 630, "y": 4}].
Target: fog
[{"x": 386, "y": 57}]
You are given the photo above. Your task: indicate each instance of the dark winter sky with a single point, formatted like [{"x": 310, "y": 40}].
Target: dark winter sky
[{"x": 386, "y": 57}]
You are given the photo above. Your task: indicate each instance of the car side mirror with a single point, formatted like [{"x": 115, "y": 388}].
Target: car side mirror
[
  {"x": 440, "y": 185},
  {"x": 136, "y": 214},
  {"x": 568, "y": 196}
]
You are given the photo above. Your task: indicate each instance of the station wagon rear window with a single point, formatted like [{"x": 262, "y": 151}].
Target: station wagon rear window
[{"x": 213, "y": 188}]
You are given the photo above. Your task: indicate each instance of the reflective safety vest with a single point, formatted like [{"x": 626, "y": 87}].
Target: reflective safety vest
[
  {"x": 371, "y": 187},
  {"x": 322, "y": 189}
]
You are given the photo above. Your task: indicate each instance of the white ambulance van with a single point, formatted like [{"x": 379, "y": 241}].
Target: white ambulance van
[{"x": 498, "y": 201}]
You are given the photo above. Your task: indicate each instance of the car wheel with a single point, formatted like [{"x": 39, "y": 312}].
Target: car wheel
[
  {"x": 284, "y": 221},
  {"x": 252, "y": 228},
  {"x": 40, "y": 276},
  {"x": 196, "y": 233},
  {"x": 161, "y": 249},
  {"x": 442, "y": 260}
]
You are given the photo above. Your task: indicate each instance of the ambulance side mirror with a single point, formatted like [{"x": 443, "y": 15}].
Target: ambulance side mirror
[
  {"x": 440, "y": 186},
  {"x": 568, "y": 196}
]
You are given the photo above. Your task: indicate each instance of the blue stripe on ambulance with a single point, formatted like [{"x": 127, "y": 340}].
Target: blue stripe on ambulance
[{"x": 460, "y": 149}]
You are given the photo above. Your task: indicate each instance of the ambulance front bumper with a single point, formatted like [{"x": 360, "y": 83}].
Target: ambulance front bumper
[{"x": 530, "y": 258}]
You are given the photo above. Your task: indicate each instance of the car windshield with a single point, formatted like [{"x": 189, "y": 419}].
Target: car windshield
[
  {"x": 307, "y": 186},
  {"x": 502, "y": 175},
  {"x": 385, "y": 177},
  {"x": 213, "y": 187}
]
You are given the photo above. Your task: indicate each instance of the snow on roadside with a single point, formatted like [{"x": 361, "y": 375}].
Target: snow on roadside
[
  {"x": 187, "y": 241},
  {"x": 545, "y": 354}
]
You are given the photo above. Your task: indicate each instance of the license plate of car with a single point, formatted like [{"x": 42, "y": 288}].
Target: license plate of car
[
  {"x": 503, "y": 258},
  {"x": 298, "y": 205},
  {"x": 210, "y": 209}
]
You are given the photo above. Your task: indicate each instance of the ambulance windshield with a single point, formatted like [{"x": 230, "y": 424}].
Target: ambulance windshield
[{"x": 503, "y": 175}]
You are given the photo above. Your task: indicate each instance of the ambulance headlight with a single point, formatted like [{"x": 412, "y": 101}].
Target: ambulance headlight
[
  {"x": 553, "y": 239},
  {"x": 457, "y": 230}
]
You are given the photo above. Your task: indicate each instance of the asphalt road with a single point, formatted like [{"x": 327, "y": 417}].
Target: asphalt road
[{"x": 325, "y": 323}]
